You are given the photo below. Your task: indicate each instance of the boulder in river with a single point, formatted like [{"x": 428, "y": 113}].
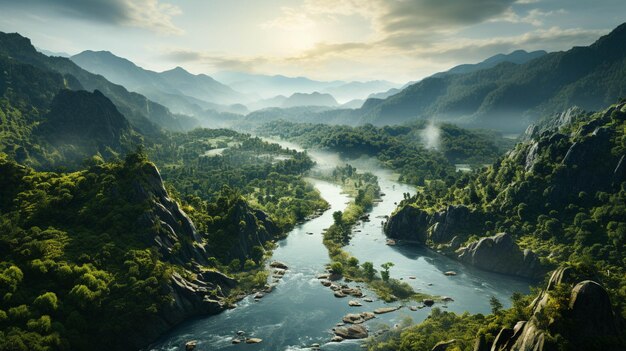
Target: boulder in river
[
  {"x": 358, "y": 318},
  {"x": 336, "y": 338},
  {"x": 354, "y": 303},
  {"x": 450, "y": 273},
  {"x": 253, "y": 340},
  {"x": 355, "y": 331},
  {"x": 325, "y": 282},
  {"x": 191, "y": 345},
  {"x": 428, "y": 302},
  {"x": 278, "y": 264},
  {"x": 386, "y": 309},
  {"x": 339, "y": 294}
]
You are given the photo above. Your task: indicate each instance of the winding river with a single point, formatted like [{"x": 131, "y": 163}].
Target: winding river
[{"x": 300, "y": 311}]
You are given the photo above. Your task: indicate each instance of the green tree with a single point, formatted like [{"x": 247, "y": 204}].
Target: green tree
[
  {"x": 368, "y": 270},
  {"x": 385, "y": 272}
]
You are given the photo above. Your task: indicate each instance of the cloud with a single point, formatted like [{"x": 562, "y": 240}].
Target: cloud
[
  {"x": 426, "y": 15},
  {"x": 148, "y": 14},
  {"x": 290, "y": 19},
  {"x": 554, "y": 38}
]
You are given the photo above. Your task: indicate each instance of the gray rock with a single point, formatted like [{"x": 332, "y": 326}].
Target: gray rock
[
  {"x": 355, "y": 331},
  {"x": 383, "y": 310},
  {"x": 501, "y": 254}
]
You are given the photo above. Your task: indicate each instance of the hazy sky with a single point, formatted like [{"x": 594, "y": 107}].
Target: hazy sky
[{"x": 397, "y": 40}]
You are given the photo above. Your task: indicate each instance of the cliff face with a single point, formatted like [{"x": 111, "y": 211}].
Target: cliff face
[
  {"x": 587, "y": 322},
  {"x": 166, "y": 226},
  {"x": 413, "y": 224},
  {"x": 500, "y": 254}
]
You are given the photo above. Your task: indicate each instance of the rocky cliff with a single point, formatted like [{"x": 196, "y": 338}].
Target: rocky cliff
[
  {"x": 500, "y": 254},
  {"x": 195, "y": 291},
  {"x": 413, "y": 224},
  {"x": 585, "y": 321}
]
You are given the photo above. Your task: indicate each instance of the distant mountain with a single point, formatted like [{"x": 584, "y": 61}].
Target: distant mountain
[
  {"x": 53, "y": 53},
  {"x": 177, "y": 89},
  {"x": 510, "y": 96},
  {"x": 276, "y": 101},
  {"x": 266, "y": 86},
  {"x": 358, "y": 90},
  {"x": 384, "y": 94},
  {"x": 518, "y": 56},
  {"x": 356, "y": 103},
  {"x": 145, "y": 115},
  {"x": 313, "y": 99}
]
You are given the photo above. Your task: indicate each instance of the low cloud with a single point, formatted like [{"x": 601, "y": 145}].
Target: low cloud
[{"x": 147, "y": 14}]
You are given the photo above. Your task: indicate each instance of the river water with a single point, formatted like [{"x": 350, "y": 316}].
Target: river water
[{"x": 301, "y": 312}]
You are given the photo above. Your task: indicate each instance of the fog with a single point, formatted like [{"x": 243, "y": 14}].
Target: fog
[{"x": 431, "y": 136}]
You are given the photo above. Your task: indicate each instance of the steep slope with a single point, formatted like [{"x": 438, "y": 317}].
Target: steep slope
[
  {"x": 518, "y": 57},
  {"x": 510, "y": 96},
  {"x": 81, "y": 124},
  {"x": 148, "y": 117}
]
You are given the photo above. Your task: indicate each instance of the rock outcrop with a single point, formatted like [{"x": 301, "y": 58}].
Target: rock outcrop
[
  {"x": 413, "y": 224},
  {"x": 586, "y": 323},
  {"x": 500, "y": 254},
  {"x": 166, "y": 223}
]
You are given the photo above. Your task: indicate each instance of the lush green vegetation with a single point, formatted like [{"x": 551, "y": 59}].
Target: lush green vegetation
[
  {"x": 85, "y": 253},
  {"x": 199, "y": 163},
  {"x": 363, "y": 187},
  {"x": 74, "y": 265},
  {"x": 561, "y": 195},
  {"x": 401, "y": 148}
]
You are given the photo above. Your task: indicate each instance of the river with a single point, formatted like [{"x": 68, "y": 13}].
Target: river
[{"x": 300, "y": 311}]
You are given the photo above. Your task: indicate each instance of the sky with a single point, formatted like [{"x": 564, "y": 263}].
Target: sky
[{"x": 395, "y": 40}]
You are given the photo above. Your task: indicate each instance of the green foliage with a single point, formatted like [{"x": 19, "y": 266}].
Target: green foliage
[{"x": 384, "y": 274}]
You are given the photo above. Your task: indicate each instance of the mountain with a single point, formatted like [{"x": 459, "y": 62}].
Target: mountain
[
  {"x": 177, "y": 89},
  {"x": 518, "y": 57},
  {"x": 276, "y": 101},
  {"x": 145, "y": 115},
  {"x": 313, "y": 99},
  {"x": 81, "y": 124},
  {"x": 510, "y": 96},
  {"x": 352, "y": 104},
  {"x": 269, "y": 86},
  {"x": 358, "y": 90},
  {"x": 384, "y": 94}
]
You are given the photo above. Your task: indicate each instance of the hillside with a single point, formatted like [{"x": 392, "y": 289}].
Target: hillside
[
  {"x": 312, "y": 99},
  {"x": 518, "y": 57},
  {"x": 510, "y": 96},
  {"x": 147, "y": 116},
  {"x": 81, "y": 124},
  {"x": 559, "y": 195}
]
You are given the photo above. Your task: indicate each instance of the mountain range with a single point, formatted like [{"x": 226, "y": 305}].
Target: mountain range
[{"x": 509, "y": 96}]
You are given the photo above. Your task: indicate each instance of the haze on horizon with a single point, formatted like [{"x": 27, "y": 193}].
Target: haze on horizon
[{"x": 398, "y": 40}]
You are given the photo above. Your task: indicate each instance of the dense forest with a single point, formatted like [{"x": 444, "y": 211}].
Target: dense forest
[
  {"x": 560, "y": 194},
  {"x": 109, "y": 230},
  {"x": 419, "y": 151}
]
